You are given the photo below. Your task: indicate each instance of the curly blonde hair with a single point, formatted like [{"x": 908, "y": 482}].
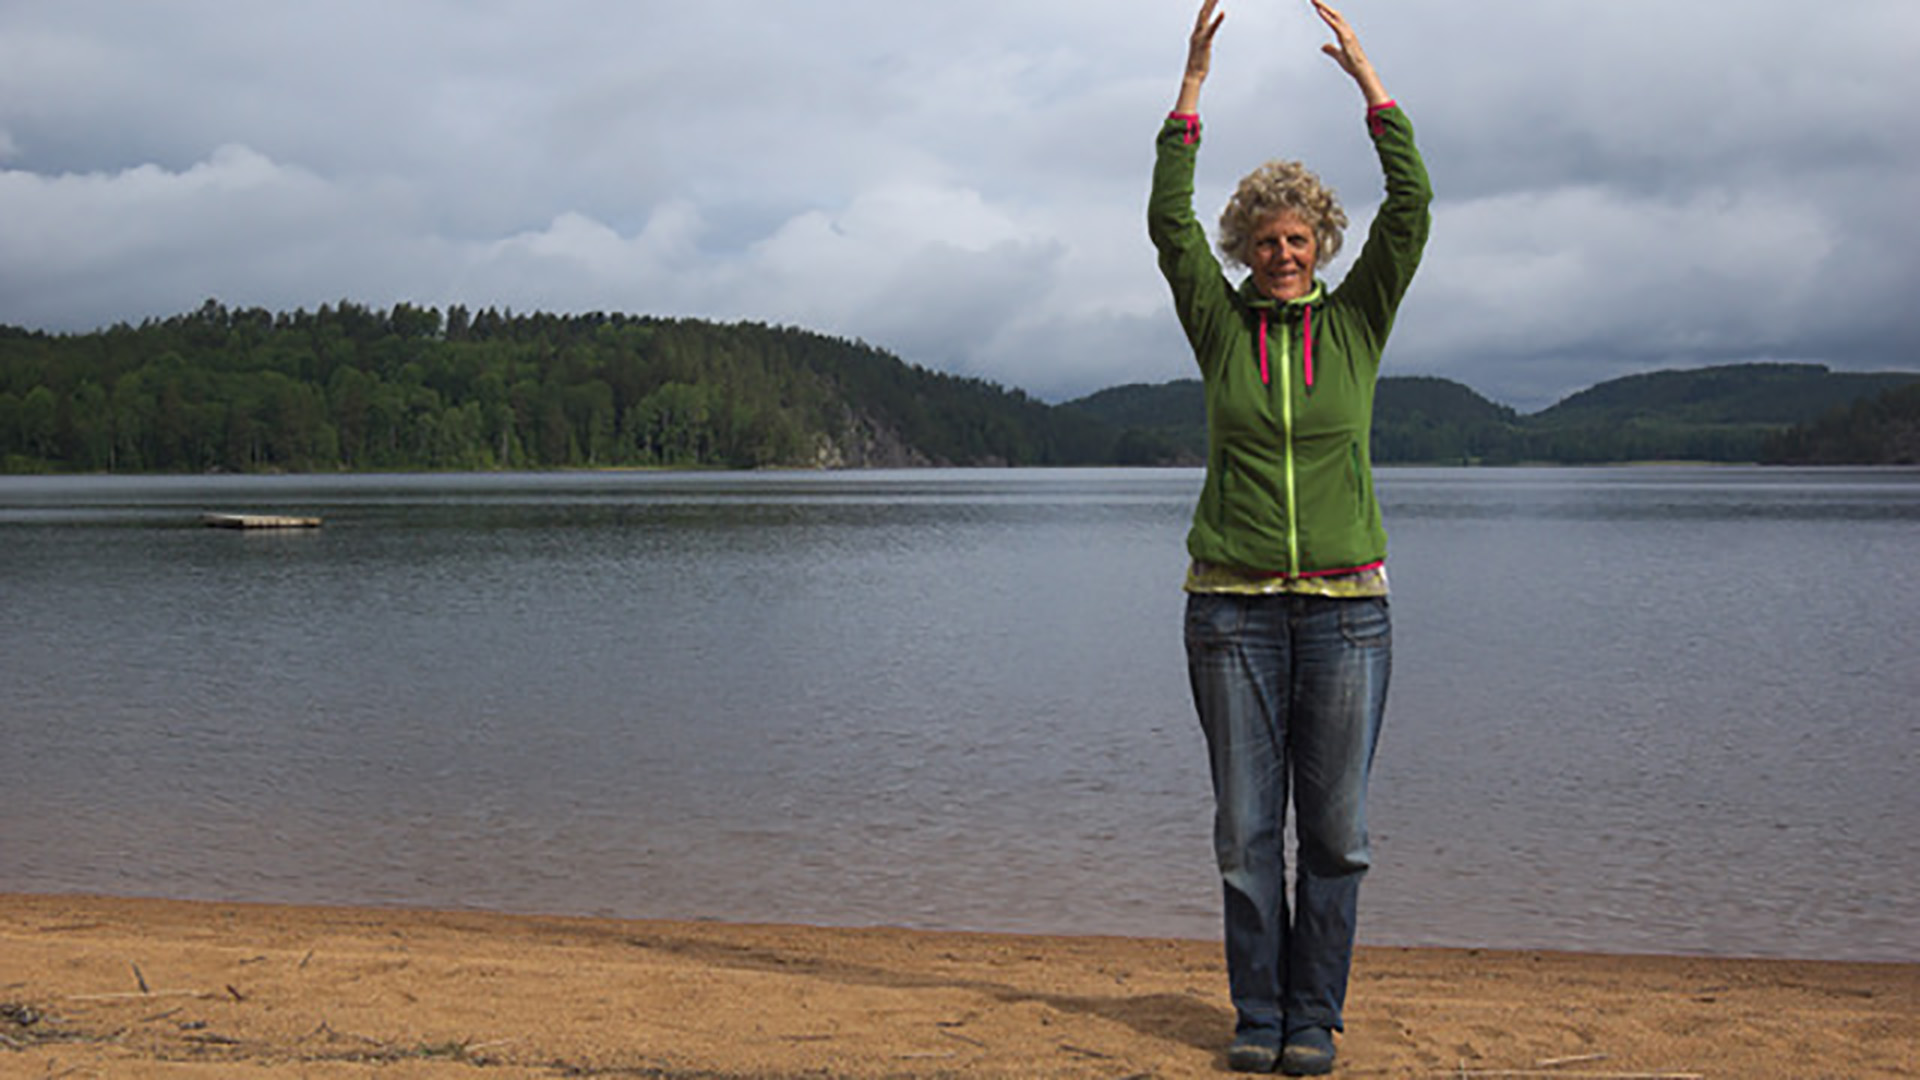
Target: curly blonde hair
[{"x": 1275, "y": 187}]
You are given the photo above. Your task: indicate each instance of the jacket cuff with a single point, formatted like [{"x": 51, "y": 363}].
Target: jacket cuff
[
  {"x": 1374, "y": 124},
  {"x": 1192, "y": 120}
]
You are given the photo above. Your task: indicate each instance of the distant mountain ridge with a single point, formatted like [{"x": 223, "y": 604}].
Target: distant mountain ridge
[
  {"x": 1725, "y": 413},
  {"x": 1730, "y": 394}
]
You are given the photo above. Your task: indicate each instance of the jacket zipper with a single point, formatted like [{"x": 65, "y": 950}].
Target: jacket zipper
[
  {"x": 1286, "y": 438},
  {"x": 1286, "y": 420}
]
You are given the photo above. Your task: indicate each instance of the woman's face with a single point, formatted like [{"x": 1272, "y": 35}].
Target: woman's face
[{"x": 1281, "y": 254}]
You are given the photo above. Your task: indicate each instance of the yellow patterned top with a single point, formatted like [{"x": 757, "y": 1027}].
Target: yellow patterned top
[{"x": 1205, "y": 577}]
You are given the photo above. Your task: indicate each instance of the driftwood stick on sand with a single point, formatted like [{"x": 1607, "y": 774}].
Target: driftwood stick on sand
[
  {"x": 124, "y": 994},
  {"x": 968, "y": 1039}
]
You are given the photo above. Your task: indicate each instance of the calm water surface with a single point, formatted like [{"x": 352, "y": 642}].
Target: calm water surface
[{"x": 1633, "y": 709}]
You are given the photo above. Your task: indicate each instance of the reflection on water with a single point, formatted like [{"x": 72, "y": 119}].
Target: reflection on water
[{"x": 1640, "y": 710}]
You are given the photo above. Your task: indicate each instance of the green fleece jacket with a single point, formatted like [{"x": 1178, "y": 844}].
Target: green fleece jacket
[{"x": 1289, "y": 386}]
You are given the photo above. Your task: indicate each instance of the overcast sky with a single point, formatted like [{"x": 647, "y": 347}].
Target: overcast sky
[{"x": 1623, "y": 185}]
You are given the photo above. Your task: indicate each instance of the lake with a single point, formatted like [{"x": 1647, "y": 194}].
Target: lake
[{"x": 1633, "y": 709}]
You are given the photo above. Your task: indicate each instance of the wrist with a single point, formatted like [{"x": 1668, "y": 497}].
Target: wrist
[{"x": 1188, "y": 101}]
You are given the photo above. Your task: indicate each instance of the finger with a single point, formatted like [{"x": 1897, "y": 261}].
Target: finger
[
  {"x": 1203, "y": 33},
  {"x": 1206, "y": 14}
]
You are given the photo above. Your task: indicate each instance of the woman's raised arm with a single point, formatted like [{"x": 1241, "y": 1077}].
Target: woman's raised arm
[{"x": 1199, "y": 58}]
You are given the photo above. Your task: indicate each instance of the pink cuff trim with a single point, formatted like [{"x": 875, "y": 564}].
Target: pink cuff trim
[
  {"x": 1193, "y": 125},
  {"x": 1373, "y": 115}
]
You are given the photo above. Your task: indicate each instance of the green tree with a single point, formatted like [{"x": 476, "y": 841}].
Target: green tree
[{"x": 36, "y": 423}]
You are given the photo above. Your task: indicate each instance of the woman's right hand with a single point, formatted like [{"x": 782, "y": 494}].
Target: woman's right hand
[
  {"x": 1199, "y": 57},
  {"x": 1346, "y": 52}
]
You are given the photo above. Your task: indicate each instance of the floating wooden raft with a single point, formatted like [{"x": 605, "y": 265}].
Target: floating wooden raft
[{"x": 258, "y": 521}]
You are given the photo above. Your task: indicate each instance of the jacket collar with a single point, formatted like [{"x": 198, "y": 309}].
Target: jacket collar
[{"x": 1254, "y": 298}]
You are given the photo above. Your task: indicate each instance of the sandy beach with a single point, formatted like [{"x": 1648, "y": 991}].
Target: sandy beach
[{"x": 96, "y": 987}]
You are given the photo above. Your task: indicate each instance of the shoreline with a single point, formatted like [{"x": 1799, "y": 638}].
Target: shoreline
[{"x": 100, "y": 986}]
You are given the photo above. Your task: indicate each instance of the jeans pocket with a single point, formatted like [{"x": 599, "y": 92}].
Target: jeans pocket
[
  {"x": 1366, "y": 624},
  {"x": 1214, "y": 619}
]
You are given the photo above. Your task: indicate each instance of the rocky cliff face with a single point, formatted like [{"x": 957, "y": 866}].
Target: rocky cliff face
[{"x": 864, "y": 443}]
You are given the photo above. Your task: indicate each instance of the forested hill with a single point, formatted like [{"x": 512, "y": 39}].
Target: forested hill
[
  {"x": 348, "y": 387},
  {"x": 1879, "y": 430},
  {"x": 354, "y": 388}
]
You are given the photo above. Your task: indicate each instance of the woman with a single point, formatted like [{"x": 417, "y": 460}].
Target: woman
[{"x": 1287, "y": 631}]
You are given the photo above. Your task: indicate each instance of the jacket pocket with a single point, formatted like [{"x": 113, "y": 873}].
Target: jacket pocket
[
  {"x": 1354, "y": 484},
  {"x": 1222, "y": 475}
]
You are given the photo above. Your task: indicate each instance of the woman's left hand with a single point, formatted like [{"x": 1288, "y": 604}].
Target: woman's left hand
[{"x": 1346, "y": 52}]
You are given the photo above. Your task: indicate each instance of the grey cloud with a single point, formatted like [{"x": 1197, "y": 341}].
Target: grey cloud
[{"x": 236, "y": 224}]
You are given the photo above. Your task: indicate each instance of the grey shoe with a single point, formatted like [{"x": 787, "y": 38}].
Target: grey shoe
[
  {"x": 1309, "y": 1052},
  {"x": 1251, "y": 1056}
]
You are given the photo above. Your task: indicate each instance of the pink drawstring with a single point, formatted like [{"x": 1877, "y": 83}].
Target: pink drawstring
[
  {"x": 1265, "y": 380},
  {"x": 1306, "y": 318}
]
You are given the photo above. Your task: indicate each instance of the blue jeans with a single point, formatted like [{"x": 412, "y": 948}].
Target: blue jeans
[{"x": 1289, "y": 688}]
